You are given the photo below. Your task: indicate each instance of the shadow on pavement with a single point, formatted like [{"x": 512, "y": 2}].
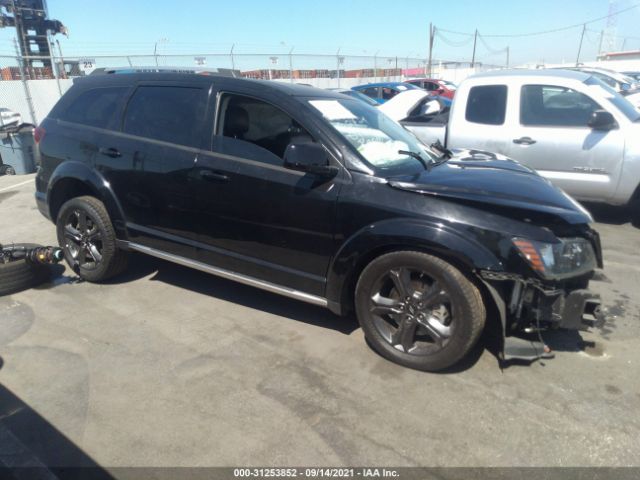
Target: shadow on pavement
[
  {"x": 141, "y": 266},
  {"x": 30, "y": 447},
  {"x": 610, "y": 214}
]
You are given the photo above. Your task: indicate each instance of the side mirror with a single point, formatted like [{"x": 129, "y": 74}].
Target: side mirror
[
  {"x": 602, "y": 120},
  {"x": 309, "y": 157}
]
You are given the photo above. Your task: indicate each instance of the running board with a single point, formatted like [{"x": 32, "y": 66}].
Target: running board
[{"x": 229, "y": 275}]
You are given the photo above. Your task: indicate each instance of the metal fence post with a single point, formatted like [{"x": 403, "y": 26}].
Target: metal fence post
[
  {"x": 375, "y": 67},
  {"x": 54, "y": 65},
  {"x": 291, "y": 64},
  {"x": 25, "y": 84}
]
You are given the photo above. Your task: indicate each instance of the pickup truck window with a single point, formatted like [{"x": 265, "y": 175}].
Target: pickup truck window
[
  {"x": 554, "y": 106},
  {"x": 374, "y": 135},
  {"x": 170, "y": 114},
  {"x": 487, "y": 104}
]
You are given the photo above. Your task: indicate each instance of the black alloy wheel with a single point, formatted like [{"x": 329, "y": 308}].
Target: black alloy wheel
[
  {"x": 418, "y": 310},
  {"x": 86, "y": 235}
]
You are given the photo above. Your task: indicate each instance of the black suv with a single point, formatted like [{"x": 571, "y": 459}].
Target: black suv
[{"x": 315, "y": 196}]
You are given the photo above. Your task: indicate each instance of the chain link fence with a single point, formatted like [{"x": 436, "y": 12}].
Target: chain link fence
[{"x": 32, "y": 85}]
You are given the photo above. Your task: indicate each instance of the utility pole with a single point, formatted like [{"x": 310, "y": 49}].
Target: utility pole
[
  {"x": 432, "y": 34},
  {"x": 601, "y": 39},
  {"x": 584, "y": 27},
  {"x": 473, "y": 57}
]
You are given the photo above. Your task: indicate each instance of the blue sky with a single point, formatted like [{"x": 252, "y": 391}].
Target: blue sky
[{"x": 359, "y": 27}]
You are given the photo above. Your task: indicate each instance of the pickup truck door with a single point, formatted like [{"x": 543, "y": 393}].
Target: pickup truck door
[{"x": 553, "y": 137}]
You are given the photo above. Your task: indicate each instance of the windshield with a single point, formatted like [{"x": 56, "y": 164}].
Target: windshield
[
  {"x": 620, "y": 102},
  {"x": 448, "y": 84},
  {"x": 376, "y": 137}
]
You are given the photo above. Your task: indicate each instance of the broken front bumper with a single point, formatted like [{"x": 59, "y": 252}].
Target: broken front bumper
[{"x": 527, "y": 304}]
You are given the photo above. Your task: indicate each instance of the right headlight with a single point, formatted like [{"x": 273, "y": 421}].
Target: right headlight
[{"x": 570, "y": 257}]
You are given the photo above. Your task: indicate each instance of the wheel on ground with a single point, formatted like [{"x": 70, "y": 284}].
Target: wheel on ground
[
  {"x": 17, "y": 275},
  {"x": 418, "y": 310},
  {"x": 7, "y": 170},
  {"x": 86, "y": 235}
]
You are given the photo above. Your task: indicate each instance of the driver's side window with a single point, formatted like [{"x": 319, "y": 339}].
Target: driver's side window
[
  {"x": 256, "y": 130},
  {"x": 555, "y": 106}
]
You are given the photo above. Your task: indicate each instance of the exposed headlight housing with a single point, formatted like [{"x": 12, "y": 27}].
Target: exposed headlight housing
[{"x": 570, "y": 257}]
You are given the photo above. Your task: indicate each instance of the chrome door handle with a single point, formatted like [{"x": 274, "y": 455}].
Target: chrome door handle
[
  {"x": 110, "y": 152},
  {"x": 524, "y": 141},
  {"x": 212, "y": 176}
]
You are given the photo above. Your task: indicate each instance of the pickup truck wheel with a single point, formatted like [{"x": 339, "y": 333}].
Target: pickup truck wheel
[
  {"x": 418, "y": 310},
  {"x": 86, "y": 235}
]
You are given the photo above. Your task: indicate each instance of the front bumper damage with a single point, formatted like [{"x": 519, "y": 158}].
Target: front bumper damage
[{"x": 527, "y": 306}]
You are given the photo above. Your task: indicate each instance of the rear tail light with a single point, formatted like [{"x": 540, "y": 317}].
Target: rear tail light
[{"x": 38, "y": 134}]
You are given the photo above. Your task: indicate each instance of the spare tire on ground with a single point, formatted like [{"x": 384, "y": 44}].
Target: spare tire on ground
[{"x": 17, "y": 275}]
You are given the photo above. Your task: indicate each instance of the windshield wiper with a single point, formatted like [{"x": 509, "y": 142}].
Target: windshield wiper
[{"x": 417, "y": 156}]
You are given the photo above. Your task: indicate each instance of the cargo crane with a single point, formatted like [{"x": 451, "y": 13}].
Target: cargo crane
[{"x": 33, "y": 27}]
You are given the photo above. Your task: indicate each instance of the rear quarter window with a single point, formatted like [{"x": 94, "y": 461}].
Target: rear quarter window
[
  {"x": 95, "y": 107},
  {"x": 487, "y": 104}
]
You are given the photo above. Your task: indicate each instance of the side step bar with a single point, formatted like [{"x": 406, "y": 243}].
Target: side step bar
[{"x": 229, "y": 275}]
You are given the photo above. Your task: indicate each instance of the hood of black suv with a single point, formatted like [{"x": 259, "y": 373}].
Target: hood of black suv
[{"x": 486, "y": 178}]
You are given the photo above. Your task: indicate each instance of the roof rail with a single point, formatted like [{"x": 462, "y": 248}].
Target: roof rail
[{"x": 227, "y": 72}]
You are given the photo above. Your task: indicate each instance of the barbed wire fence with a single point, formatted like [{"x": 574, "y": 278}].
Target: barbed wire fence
[{"x": 32, "y": 85}]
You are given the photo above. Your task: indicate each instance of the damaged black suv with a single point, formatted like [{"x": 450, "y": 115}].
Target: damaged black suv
[{"x": 315, "y": 196}]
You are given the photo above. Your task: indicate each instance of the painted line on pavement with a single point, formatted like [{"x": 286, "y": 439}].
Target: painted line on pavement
[{"x": 16, "y": 185}]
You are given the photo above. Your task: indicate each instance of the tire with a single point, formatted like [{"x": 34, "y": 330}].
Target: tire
[
  {"x": 19, "y": 275},
  {"x": 7, "y": 170},
  {"x": 86, "y": 235},
  {"x": 418, "y": 310},
  {"x": 634, "y": 211}
]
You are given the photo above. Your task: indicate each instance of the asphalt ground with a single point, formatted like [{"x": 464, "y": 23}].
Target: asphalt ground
[{"x": 166, "y": 366}]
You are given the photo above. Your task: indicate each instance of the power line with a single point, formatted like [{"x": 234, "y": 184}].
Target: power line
[
  {"x": 453, "y": 43},
  {"x": 543, "y": 32}
]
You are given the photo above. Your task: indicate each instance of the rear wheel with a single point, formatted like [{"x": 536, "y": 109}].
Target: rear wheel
[
  {"x": 418, "y": 310},
  {"x": 86, "y": 235}
]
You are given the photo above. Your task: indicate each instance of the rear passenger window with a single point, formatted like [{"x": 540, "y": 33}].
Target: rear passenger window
[
  {"x": 487, "y": 104},
  {"x": 371, "y": 92},
  {"x": 95, "y": 107},
  {"x": 171, "y": 114}
]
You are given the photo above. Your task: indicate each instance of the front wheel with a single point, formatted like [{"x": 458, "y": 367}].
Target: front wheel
[
  {"x": 418, "y": 310},
  {"x": 86, "y": 235}
]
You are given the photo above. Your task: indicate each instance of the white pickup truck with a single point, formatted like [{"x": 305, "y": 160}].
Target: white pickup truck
[{"x": 569, "y": 126}]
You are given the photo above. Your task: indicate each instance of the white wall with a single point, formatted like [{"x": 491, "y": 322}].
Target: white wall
[{"x": 44, "y": 95}]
